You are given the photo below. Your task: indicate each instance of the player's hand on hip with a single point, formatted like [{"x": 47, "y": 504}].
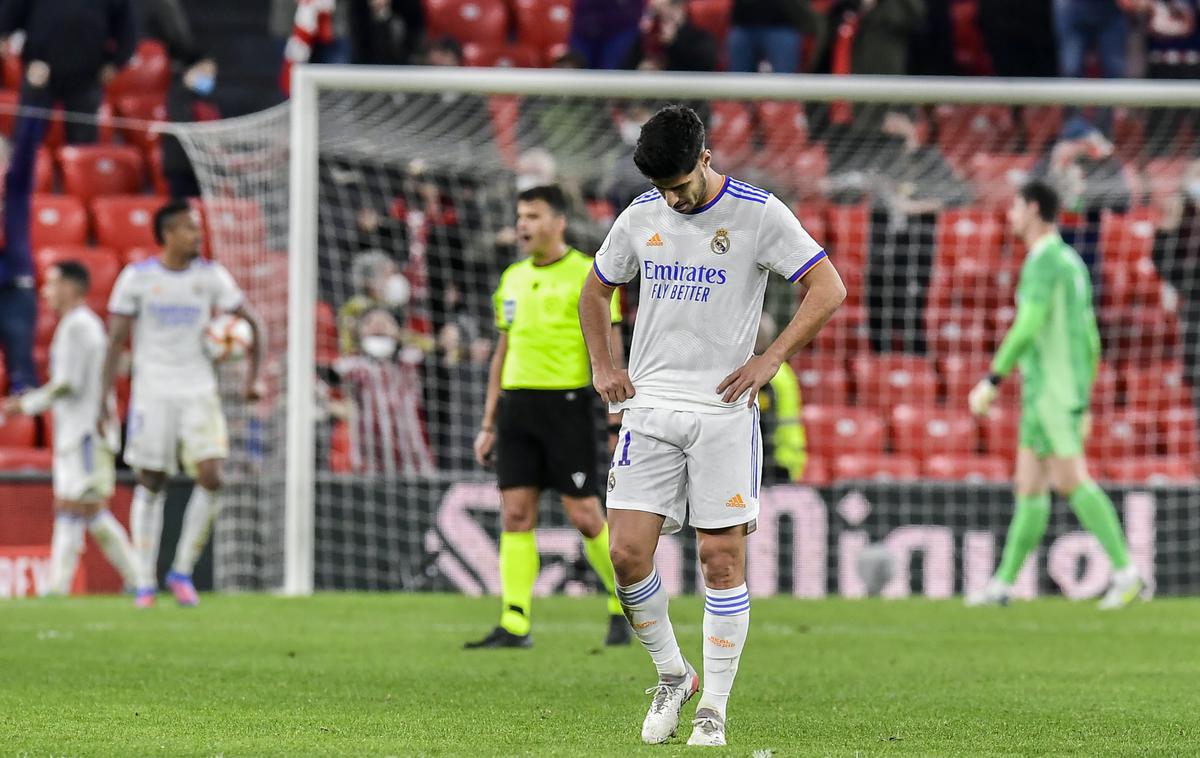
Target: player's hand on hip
[
  {"x": 755, "y": 374},
  {"x": 981, "y": 397},
  {"x": 613, "y": 385},
  {"x": 485, "y": 442}
]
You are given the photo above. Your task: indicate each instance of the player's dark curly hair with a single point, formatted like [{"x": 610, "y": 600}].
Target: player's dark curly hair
[
  {"x": 74, "y": 272},
  {"x": 551, "y": 194},
  {"x": 1045, "y": 196},
  {"x": 670, "y": 143}
]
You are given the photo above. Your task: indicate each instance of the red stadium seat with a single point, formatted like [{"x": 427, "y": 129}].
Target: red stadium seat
[
  {"x": 102, "y": 264},
  {"x": 13, "y": 70},
  {"x": 998, "y": 176},
  {"x": 968, "y": 468},
  {"x": 823, "y": 379},
  {"x": 731, "y": 132},
  {"x": 18, "y": 431},
  {"x": 1156, "y": 470},
  {"x": 232, "y": 222},
  {"x": 885, "y": 381},
  {"x": 1134, "y": 284},
  {"x": 1104, "y": 389},
  {"x": 1041, "y": 124},
  {"x": 1179, "y": 432},
  {"x": 972, "y": 235},
  {"x": 57, "y": 220},
  {"x": 713, "y": 16},
  {"x": 812, "y": 218},
  {"x": 925, "y": 431},
  {"x": 966, "y": 130},
  {"x": 960, "y": 372},
  {"x": 849, "y": 232},
  {"x": 1126, "y": 238},
  {"x": 43, "y": 172},
  {"x": 837, "y": 429},
  {"x": 973, "y": 284},
  {"x": 783, "y": 124},
  {"x": 93, "y": 170},
  {"x": 816, "y": 472},
  {"x": 845, "y": 333},
  {"x": 501, "y": 56},
  {"x": 543, "y": 24},
  {"x": 47, "y": 322},
  {"x": 125, "y": 221},
  {"x": 26, "y": 458},
  {"x": 1156, "y": 387},
  {"x": 148, "y": 71},
  {"x": 505, "y": 113},
  {"x": 483, "y": 21},
  {"x": 1001, "y": 432},
  {"x": 875, "y": 467},
  {"x": 1122, "y": 434},
  {"x": 141, "y": 107},
  {"x": 957, "y": 332},
  {"x": 1139, "y": 336}
]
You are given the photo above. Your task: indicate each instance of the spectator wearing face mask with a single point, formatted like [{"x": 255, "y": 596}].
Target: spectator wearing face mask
[
  {"x": 382, "y": 387},
  {"x": 189, "y": 98},
  {"x": 377, "y": 284}
]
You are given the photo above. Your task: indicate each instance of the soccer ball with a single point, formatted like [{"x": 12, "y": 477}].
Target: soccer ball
[{"x": 228, "y": 338}]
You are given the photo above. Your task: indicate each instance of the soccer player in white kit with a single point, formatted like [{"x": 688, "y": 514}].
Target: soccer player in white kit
[
  {"x": 84, "y": 471},
  {"x": 174, "y": 408},
  {"x": 689, "y": 446}
]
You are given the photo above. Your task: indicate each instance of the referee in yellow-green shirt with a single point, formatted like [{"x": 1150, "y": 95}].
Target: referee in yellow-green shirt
[{"x": 540, "y": 416}]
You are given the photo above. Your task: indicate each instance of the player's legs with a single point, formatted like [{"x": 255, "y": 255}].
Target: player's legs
[
  {"x": 1030, "y": 517},
  {"x": 151, "y": 445},
  {"x": 93, "y": 497},
  {"x": 198, "y": 517},
  {"x": 66, "y": 544},
  {"x": 726, "y": 624},
  {"x": 1096, "y": 512},
  {"x": 145, "y": 528}
]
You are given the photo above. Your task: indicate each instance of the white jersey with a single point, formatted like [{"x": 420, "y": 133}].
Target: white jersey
[
  {"x": 704, "y": 275},
  {"x": 172, "y": 309},
  {"x": 73, "y": 392}
]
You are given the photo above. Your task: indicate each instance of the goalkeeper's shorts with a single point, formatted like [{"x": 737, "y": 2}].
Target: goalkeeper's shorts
[{"x": 1052, "y": 430}]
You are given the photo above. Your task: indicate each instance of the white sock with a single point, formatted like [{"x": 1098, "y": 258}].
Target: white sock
[
  {"x": 65, "y": 546},
  {"x": 145, "y": 527},
  {"x": 112, "y": 539},
  {"x": 645, "y": 602},
  {"x": 202, "y": 508},
  {"x": 726, "y": 622}
]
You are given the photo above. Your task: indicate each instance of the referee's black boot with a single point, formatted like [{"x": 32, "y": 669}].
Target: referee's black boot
[
  {"x": 500, "y": 637},
  {"x": 619, "y": 631}
]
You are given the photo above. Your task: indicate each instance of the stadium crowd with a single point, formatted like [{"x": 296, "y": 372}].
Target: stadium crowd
[{"x": 892, "y": 189}]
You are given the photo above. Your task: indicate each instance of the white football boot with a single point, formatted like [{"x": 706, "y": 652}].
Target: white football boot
[
  {"x": 995, "y": 593},
  {"x": 708, "y": 729},
  {"x": 662, "y": 720},
  {"x": 1126, "y": 586}
]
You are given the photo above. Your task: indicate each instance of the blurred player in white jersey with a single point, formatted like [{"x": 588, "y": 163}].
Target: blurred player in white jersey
[
  {"x": 174, "y": 409},
  {"x": 83, "y": 457},
  {"x": 689, "y": 447}
]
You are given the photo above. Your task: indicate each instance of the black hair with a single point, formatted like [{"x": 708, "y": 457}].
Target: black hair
[
  {"x": 74, "y": 272},
  {"x": 1045, "y": 196},
  {"x": 166, "y": 214},
  {"x": 447, "y": 44},
  {"x": 670, "y": 143},
  {"x": 551, "y": 194}
]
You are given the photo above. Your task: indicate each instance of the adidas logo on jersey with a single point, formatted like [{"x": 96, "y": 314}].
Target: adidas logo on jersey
[
  {"x": 655, "y": 241},
  {"x": 737, "y": 501}
]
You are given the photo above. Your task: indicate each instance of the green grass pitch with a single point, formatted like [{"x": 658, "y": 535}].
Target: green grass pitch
[{"x": 377, "y": 675}]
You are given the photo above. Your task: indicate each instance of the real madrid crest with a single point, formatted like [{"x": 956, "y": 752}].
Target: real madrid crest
[
  {"x": 720, "y": 242},
  {"x": 612, "y": 480}
]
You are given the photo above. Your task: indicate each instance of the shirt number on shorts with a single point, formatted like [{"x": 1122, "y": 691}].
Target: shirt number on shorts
[{"x": 624, "y": 459}]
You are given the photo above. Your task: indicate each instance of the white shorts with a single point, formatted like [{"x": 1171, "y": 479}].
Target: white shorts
[
  {"x": 84, "y": 473},
  {"x": 163, "y": 428},
  {"x": 702, "y": 468}
]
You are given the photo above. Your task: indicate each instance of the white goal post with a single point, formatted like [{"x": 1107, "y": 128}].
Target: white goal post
[{"x": 311, "y": 82}]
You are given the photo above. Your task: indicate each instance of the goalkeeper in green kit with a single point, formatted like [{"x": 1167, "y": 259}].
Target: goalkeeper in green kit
[{"x": 1055, "y": 343}]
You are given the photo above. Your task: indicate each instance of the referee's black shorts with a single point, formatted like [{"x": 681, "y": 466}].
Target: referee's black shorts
[{"x": 547, "y": 439}]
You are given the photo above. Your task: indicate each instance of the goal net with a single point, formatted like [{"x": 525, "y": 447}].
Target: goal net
[{"x": 381, "y": 203}]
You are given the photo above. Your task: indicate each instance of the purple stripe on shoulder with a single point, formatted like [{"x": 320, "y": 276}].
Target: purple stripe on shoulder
[
  {"x": 600, "y": 276},
  {"x": 804, "y": 269}
]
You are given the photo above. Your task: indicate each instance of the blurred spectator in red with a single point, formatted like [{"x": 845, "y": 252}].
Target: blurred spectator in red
[
  {"x": 671, "y": 42},
  {"x": 872, "y": 36},
  {"x": 770, "y": 31},
  {"x": 604, "y": 31},
  {"x": 385, "y": 32},
  {"x": 1020, "y": 37},
  {"x": 72, "y": 48},
  {"x": 383, "y": 392},
  {"x": 313, "y": 31}
]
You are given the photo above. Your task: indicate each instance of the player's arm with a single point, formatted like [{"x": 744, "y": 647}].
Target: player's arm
[
  {"x": 485, "y": 440},
  {"x": 595, "y": 319},
  {"x": 825, "y": 293},
  {"x": 253, "y": 389},
  {"x": 68, "y": 376},
  {"x": 119, "y": 326}
]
